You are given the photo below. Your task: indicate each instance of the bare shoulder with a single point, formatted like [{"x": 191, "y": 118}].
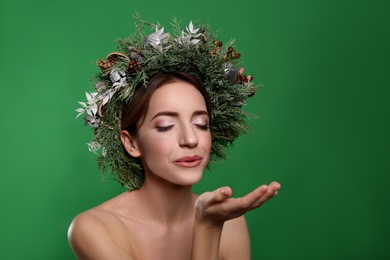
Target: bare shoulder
[
  {"x": 235, "y": 241},
  {"x": 98, "y": 234}
]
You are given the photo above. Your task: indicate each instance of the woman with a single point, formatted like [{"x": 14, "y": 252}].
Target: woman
[{"x": 166, "y": 128}]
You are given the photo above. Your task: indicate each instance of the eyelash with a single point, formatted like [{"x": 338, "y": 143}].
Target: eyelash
[
  {"x": 167, "y": 128},
  {"x": 203, "y": 127},
  {"x": 164, "y": 128}
]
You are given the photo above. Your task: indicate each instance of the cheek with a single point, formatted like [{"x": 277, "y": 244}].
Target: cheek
[
  {"x": 207, "y": 141},
  {"x": 155, "y": 145}
]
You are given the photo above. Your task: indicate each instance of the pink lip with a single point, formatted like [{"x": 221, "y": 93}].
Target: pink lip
[{"x": 189, "y": 161}]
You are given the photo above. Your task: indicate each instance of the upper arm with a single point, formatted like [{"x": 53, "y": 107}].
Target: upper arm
[
  {"x": 235, "y": 241},
  {"x": 91, "y": 238}
]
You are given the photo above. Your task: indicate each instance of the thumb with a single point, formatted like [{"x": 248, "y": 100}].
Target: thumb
[{"x": 217, "y": 196}]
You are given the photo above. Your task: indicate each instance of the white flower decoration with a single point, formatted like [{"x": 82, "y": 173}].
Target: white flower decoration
[
  {"x": 92, "y": 105},
  {"x": 190, "y": 37},
  {"x": 100, "y": 85},
  {"x": 94, "y": 146},
  {"x": 157, "y": 39}
]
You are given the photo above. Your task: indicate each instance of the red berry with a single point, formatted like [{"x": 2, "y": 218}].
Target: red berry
[
  {"x": 230, "y": 49},
  {"x": 219, "y": 44},
  {"x": 243, "y": 78},
  {"x": 238, "y": 55}
]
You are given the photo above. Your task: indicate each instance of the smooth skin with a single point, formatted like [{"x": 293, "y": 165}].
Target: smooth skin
[{"x": 164, "y": 219}]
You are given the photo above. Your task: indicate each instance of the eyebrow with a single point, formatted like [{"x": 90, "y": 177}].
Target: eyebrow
[{"x": 176, "y": 114}]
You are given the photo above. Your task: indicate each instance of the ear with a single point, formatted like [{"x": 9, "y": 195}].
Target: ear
[{"x": 130, "y": 144}]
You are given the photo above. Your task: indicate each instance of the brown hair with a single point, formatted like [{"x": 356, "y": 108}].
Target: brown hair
[{"x": 133, "y": 113}]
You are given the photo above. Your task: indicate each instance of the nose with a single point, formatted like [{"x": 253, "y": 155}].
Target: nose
[{"x": 188, "y": 137}]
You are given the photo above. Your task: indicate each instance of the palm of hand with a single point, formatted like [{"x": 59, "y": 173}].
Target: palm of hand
[{"x": 216, "y": 207}]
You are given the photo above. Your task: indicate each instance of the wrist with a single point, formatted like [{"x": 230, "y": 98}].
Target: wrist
[{"x": 203, "y": 222}]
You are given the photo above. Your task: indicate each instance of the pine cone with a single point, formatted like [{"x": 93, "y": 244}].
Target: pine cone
[
  {"x": 134, "y": 66},
  {"x": 110, "y": 60},
  {"x": 105, "y": 65}
]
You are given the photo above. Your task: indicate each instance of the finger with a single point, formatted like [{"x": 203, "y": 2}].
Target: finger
[
  {"x": 255, "y": 198},
  {"x": 274, "y": 187},
  {"x": 234, "y": 207},
  {"x": 259, "y": 196},
  {"x": 210, "y": 198},
  {"x": 267, "y": 190}
]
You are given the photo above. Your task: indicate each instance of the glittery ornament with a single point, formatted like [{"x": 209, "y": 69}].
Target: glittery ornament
[
  {"x": 231, "y": 72},
  {"x": 116, "y": 76}
]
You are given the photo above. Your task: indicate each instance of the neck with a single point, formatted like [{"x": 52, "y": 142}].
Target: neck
[{"x": 166, "y": 202}]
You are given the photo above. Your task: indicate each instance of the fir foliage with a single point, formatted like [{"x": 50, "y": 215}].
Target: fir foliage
[{"x": 204, "y": 60}]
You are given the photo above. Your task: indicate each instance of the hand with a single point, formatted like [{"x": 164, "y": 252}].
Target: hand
[{"x": 217, "y": 207}]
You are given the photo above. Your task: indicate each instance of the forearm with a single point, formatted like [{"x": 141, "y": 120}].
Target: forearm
[
  {"x": 214, "y": 208},
  {"x": 205, "y": 241}
]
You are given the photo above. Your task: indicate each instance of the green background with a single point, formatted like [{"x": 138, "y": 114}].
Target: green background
[{"x": 323, "y": 130}]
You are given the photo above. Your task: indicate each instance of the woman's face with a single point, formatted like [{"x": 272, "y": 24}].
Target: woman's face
[{"x": 174, "y": 140}]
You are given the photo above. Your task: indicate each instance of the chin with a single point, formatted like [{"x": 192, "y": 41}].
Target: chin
[{"x": 188, "y": 178}]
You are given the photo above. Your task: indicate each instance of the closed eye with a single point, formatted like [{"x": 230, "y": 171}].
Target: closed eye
[
  {"x": 203, "y": 127},
  {"x": 164, "y": 128}
]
